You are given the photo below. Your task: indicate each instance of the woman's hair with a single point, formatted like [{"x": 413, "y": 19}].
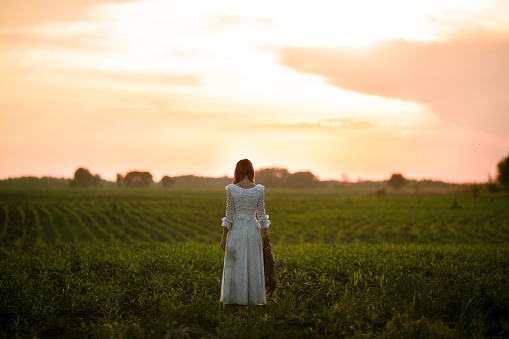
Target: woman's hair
[{"x": 244, "y": 167}]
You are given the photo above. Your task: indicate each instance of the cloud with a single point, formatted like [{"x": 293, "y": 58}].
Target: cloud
[
  {"x": 228, "y": 21},
  {"x": 15, "y": 13},
  {"x": 145, "y": 79},
  {"x": 319, "y": 125},
  {"x": 464, "y": 80},
  {"x": 92, "y": 40}
]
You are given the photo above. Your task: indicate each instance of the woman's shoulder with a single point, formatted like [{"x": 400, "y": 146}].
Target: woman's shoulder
[
  {"x": 258, "y": 188},
  {"x": 233, "y": 186}
]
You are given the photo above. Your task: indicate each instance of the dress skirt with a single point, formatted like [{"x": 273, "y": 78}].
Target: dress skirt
[{"x": 243, "y": 279}]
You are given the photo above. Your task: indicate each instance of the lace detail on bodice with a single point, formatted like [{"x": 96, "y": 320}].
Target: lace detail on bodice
[{"x": 244, "y": 203}]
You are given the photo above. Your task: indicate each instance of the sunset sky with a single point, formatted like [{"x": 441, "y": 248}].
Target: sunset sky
[{"x": 356, "y": 88}]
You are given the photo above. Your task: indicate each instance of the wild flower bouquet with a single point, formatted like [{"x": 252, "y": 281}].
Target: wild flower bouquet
[{"x": 269, "y": 265}]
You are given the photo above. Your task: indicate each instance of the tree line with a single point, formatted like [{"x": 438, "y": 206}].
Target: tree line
[
  {"x": 84, "y": 178},
  {"x": 270, "y": 177}
]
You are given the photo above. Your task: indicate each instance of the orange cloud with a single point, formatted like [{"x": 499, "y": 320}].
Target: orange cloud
[
  {"x": 464, "y": 80},
  {"x": 14, "y": 13},
  {"x": 141, "y": 79},
  {"x": 22, "y": 38}
]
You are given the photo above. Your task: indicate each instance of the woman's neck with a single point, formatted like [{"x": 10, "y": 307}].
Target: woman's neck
[{"x": 245, "y": 183}]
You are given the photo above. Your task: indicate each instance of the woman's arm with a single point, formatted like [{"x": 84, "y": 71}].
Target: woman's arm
[
  {"x": 228, "y": 219},
  {"x": 263, "y": 218}
]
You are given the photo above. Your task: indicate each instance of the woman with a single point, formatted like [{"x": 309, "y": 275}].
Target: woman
[{"x": 243, "y": 280}]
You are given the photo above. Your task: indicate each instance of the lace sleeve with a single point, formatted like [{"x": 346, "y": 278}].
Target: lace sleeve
[
  {"x": 230, "y": 210},
  {"x": 263, "y": 219}
]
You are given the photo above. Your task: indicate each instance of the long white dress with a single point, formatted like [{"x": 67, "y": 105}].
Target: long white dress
[{"x": 243, "y": 280}]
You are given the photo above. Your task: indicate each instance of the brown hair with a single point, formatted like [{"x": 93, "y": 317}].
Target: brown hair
[{"x": 244, "y": 167}]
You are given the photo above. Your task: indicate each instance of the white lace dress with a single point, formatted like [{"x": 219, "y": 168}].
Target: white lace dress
[{"x": 243, "y": 280}]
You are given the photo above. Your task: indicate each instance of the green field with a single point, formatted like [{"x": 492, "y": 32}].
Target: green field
[{"x": 147, "y": 263}]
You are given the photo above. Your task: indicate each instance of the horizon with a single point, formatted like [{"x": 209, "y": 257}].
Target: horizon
[
  {"x": 362, "y": 89},
  {"x": 344, "y": 178}
]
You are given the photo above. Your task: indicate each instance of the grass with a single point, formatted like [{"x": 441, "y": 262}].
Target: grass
[{"x": 142, "y": 263}]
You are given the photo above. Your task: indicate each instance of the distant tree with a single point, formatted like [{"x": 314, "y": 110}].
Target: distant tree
[
  {"x": 492, "y": 185},
  {"x": 83, "y": 178},
  {"x": 43, "y": 182},
  {"x": 192, "y": 181},
  {"x": 397, "y": 181},
  {"x": 280, "y": 177},
  {"x": 304, "y": 179},
  {"x": 120, "y": 179},
  {"x": 503, "y": 173},
  {"x": 138, "y": 179},
  {"x": 166, "y": 181},
  {"x": 272, "y": 177}
]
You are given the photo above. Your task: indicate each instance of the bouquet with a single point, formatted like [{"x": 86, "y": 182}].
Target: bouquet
[{"x": 269, "y": 266}]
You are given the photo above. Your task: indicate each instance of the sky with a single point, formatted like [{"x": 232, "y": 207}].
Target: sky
[{"x": 344, "y": 89}]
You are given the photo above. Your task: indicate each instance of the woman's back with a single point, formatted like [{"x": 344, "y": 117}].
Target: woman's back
[{"x": 245, "y": 200}]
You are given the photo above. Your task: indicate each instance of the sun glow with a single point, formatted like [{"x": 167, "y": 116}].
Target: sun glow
[
  {"x": 183, "y": 79},
  {"x": 232, "y": 55}
]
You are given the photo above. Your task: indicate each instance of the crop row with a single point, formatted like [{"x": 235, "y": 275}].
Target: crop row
[
  {"x": 35, "y": 223},
  {"x": 96, "y": 217}
]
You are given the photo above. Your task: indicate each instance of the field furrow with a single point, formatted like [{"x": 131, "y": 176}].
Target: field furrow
[
  {"x": 82, "y": 231},
  {"x": 104, "y": 220},
  {"x": 135, "y": 232},
  {"x": 46, "y": 226},
  {"x": 178, "y": 224},
  {"x": 91, "y": 219},
  {"x": 36, "y": 219},
  {"x": 171, "y": 227},
  {"x": 30, "y": 234},
  {"x": 200, "y": 225},
  {"x": 114, "y": 217},
  {"x": 65, "y": 230},
  {"x": 4, "y": 222},
  {"x": 15, "y": 228},
  {"x": 136, "y": 219}
]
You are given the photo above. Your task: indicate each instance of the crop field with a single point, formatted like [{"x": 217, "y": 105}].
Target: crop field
[{"x": 147, "y": 263}]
